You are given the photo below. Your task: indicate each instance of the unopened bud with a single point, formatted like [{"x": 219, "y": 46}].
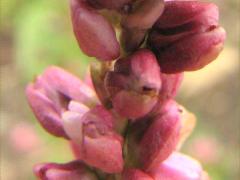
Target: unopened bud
[
  {"x": 94, "y": 139},
  {"x": 161, "y": 138},
  {"x": 50, "y": 95},
  {"x": 187, "y": 36},
  {"x": 74, "y": 170},
  {"x": 95, "y": 35},
  {"x": 134, "y": 84},
  {"x": 178, "y": 167}
]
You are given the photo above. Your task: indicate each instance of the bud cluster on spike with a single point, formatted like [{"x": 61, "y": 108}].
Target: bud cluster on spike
[{"x": 123, "y": 123}]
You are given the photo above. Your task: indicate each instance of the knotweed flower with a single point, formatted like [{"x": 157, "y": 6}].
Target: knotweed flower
[
  {"x": 189, "y": 29},
  {"x": 123, "y": 121},
  {"x": 180, "y": 167},
  {"x": 92, "y": 133},
  {"x": 65, "y": 110},
  {"x": 74, "y": 170},
  {"x": 97, "y": 37},
  {"x": 89, "y": 27},
  {"x": 132, "y": 174},
  {"x": 50, "y": 95},
  {"x": 161, "y": 137},
  {"x": 134, "y": 84},
  {"x": 187, "y": 36},
  {"x": 56, "y": 98}
]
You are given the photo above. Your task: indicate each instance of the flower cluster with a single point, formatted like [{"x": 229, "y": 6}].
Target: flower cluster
[{"x": 122, "y": 122}]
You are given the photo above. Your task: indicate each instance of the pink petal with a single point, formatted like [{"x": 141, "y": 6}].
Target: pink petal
[
  {"x": 45, "y": 111},
  {"x": 192, "y": 53},
  {"x": 94, "y": 140},
  {"x": 161, "y": 138},
  {"x": 74, "y": 170},
  {"x": 177, "y": 167},
  {"x": 97, "y": 42}
]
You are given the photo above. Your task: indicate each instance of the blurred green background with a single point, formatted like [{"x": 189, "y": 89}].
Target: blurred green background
[{"x": 37, "y": 33}]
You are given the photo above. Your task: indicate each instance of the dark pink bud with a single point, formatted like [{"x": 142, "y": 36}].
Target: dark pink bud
[
  {"x": 50, "y": 94},
  {"x": 194, "y": 55},
  {"x": 187, "y": 36},
  {"x": 109, "y": 4},
  {"x": 93, "y": 137},
  {"x": 74, "y": 170},
  {"x": 134, "y": 84},
  {"x": 178, "y": 167},
  {"x": 135, "y": 174},
  {"x": 161, "y": 138},
  {"x": 136, "y": 23},
  {"x": 187, "y": 119},
  {"x": 95, "y": 35}
]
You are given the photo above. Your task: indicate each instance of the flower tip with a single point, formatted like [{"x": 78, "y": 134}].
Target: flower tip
[
  {"x": 178, "y": 166},
  {"x": 72, "y": 170}
]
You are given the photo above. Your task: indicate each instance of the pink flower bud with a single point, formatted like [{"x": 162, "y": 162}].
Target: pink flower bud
[
  {"x": 135, "y": 174},
  {"x": 134, "y": 84},
  {"x": 187, "y": 36},
  {"x": 50, "y": 94},
  {"x": 178, "y": 167},
  {"x": 187, "y": 119},
  {"x": 95, "y": 35},
  {"x": 161, "y": 138},
  {"x": 137, "y": 22},
  {"x": 74, "y": 170},
  {"x": 94, "y": 139}
]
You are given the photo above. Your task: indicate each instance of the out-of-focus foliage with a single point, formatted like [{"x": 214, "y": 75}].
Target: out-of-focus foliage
[
  {"x": 37, "y": 33},
  {"x": 43, "y": 35}
]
